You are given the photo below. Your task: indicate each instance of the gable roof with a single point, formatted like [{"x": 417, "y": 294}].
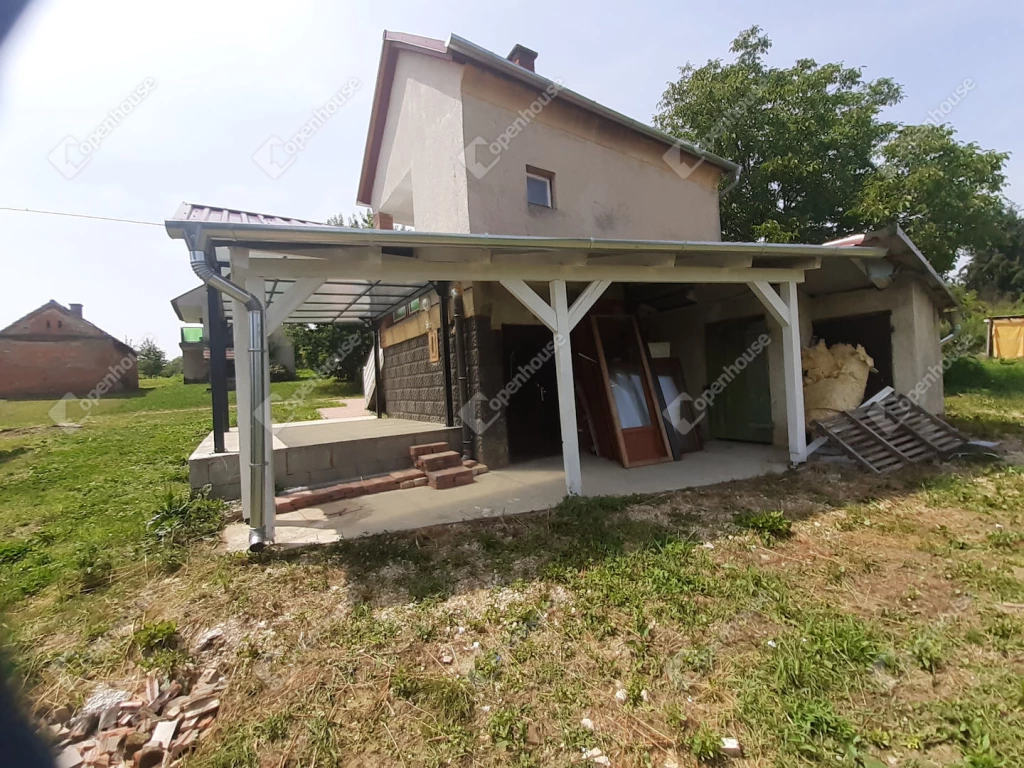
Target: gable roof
[
  {"x": 460, "y": 50},
  {"x": 53, "y": 305}
]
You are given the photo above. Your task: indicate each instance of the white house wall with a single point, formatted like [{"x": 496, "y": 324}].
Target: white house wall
[
  {"x": 609, "y": 181},
  {"x": 420, "y": 179}
]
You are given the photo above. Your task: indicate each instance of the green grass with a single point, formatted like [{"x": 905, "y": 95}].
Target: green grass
[
  {"x": 986, "y": 397},
  {"x": 879, "y": 623}
]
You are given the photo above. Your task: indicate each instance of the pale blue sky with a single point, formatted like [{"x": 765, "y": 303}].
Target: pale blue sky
[{"x": 228, "y": 75}]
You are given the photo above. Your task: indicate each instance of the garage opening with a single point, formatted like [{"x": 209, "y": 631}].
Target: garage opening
[
  {"x": 873, "y": 332},
  {"x": 534, "y": 430}
]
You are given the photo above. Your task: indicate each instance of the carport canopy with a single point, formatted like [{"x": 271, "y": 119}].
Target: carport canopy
[{"x": 309, "y": 272}]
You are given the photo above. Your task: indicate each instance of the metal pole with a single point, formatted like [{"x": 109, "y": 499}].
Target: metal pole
[
  {"x": 458, "y": 312},
  {"x": 377, "y": 383},
  {"x": 218, "y": 359},
  {"x": 442, "y": 288}
]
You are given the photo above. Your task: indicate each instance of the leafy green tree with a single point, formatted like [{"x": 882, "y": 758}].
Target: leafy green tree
[
  {"x": 997, "y": 272},
  {"x": 361, "y": 220},
  {"x": 819, "y": 161},
  {"x": 151, "y": 358},
  {"x": 806, "y": 137},
  {"x": 945, "y": 194}
]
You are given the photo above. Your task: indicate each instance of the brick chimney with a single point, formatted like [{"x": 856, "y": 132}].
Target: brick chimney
[
  {"x": 76, "y": 309},
  {"x": 523, "y": 56},
  {"x": 383, "y": 221}
]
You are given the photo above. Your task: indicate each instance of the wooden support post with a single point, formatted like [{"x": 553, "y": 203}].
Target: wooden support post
[
  {"x": 791, "y": 347},
  {"x": 566, "y": 389}
]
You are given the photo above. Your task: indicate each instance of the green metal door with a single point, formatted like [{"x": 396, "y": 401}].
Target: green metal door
[{"x": 742, "y": 408}]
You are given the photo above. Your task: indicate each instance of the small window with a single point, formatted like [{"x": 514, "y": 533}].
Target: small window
[
  {"x": 414, "y": 306},
  {"x": 538, "y": 187},
  {"x": 60, "y": 323},
  {"x": 47, "y": 323},
  {"x": 400, "y": 313}
]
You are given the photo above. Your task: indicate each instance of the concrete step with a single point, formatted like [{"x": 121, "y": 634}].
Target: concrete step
[
  {"x": 432, "y": 462},
  {"x": 450, "y": 477},
  {"x": 415, "y": 451}
]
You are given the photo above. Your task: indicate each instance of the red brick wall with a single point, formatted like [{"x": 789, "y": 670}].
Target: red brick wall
[{"x": 76, "y": 365}]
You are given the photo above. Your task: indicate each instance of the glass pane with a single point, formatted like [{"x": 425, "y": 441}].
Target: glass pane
[
  {"x": 630, "y": 400},
  {"x": 538, "y": 191}
]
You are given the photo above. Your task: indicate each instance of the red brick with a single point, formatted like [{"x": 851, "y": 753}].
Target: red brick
[
  {"x": 419, "y": 483},
  {"x": 433, "y": 462},
  {"x": 415, "y": 451},
  {"x": 450, "y": 477},
  {"x": 480, "y": 469},
  {"x": 403, "y": 475},
  {"x": 406, "y": 484},
  {"x": 380, "y": 484},
  {"x": 469, "y": 463}
]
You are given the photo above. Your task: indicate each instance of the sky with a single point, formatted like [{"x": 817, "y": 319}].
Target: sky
[{"x": 209, "y": 83}]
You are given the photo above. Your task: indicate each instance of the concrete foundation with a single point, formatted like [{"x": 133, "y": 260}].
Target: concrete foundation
[{"x": 320, "y": 452}]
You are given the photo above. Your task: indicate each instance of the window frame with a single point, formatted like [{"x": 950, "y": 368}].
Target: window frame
[{"x": 548, "y": 178}]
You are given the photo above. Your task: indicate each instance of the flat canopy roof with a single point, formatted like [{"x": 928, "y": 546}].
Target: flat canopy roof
[{"x": 369, "y": 272}]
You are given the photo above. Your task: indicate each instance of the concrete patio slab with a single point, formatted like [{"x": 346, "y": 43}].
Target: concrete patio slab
[{"x": 525, "y": 487}]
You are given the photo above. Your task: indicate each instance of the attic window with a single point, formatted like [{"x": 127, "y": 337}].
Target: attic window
[{"x": 539, "y": 187}]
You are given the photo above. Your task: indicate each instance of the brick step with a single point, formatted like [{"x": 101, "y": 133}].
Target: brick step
[
  {"x": 415, "y": 451},
  {"x": 433, "y": 462},
  {"x": 313, "y": 497},
  {"x": 450, "y": 477}
]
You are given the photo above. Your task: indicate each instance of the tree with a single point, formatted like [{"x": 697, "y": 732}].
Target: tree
[
  {"x": 806, "y": 137},
  {"x": 945, "y": 194},
  {"x": 819, "y": 161},
  {"x": 361, "y": 220},
  {"x": 997, "y": 272},
  {"x": 151, "y": 358}
]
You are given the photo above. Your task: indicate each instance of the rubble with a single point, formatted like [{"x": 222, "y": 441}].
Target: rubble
[{"x": 156, "y": 727}]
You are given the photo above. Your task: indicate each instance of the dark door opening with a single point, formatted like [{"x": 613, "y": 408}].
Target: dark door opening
[
  {"x": 531, "y": 415},
  {"x": 873, "y": 332},
  {"x": 742, "y": 409}
]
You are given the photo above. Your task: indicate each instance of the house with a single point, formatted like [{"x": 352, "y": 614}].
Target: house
[
  {"x": 562, "y": 294},
  {"x": 1004, "y": 337},
  {"x": 54, "y": 350},
  {"x": 191, "y": 307}
]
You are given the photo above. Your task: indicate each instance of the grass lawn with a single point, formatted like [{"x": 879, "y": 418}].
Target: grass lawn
[{"x": 821, "y": 617}]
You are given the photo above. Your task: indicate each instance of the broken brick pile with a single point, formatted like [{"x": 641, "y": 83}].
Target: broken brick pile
[
  {"x": 434, "y": 464},
  {"x": 155, "y": 729}
]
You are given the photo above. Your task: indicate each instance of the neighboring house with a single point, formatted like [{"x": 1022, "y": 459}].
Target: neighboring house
[
  {"x": 53, "y": 350},
  {"x": 191, "y": 308},
  {"x": 464, "y": 140}
]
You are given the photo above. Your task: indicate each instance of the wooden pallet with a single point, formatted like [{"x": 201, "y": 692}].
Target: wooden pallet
[{"x": 890, "y": 433}]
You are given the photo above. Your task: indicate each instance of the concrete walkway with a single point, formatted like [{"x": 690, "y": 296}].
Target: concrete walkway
[
  {"x": 525, "y": 487},
  {"x": 353, "y": 408}
]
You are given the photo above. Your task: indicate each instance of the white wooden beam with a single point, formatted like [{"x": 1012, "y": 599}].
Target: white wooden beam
[
  {"x": 776, "y": 306},
  {"x": 290, "y": 300},
  {"x": 566, "y": 389},
  {"x": 791, "y": 347},
  {"x": 529, "y": 298},
  {"x": 415, "y": 270},
  {"x": 586, "y": 300}
]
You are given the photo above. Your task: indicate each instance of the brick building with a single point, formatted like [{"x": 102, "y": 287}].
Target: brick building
[{"x": 53, "y": 350}]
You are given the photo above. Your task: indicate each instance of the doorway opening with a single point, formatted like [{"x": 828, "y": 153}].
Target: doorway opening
[
  {"x": 531, "y": 416},
  {"x": 872, "y": 331}
]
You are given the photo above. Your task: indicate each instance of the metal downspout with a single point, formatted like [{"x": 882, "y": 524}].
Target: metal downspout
[
  {"x": 257, "y": 395},
  {"x": 458, "y": 316}
]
